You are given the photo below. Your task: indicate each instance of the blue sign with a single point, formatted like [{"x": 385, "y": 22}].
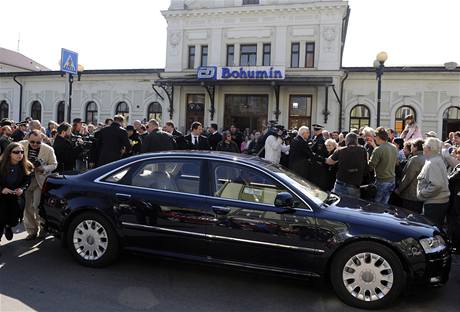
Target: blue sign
[
  {"x": 69, "y": 62},
  {"x": 206, "y": 72},
  {"x": 241, "y": 73}
]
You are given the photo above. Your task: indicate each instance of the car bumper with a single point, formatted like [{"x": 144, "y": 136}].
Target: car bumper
[{"x": 437, "y": 268}]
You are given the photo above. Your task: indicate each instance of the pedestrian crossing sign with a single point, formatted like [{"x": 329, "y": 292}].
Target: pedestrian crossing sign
[{"x": 69, "y": 61}]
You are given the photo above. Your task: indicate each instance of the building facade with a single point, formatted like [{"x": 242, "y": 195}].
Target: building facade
[
  {"x": 301, "y": 39},
  {"x": 246, "y": 62}
]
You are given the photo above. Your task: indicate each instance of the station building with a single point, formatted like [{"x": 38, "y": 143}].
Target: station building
[{"x": 245, "y": 62}]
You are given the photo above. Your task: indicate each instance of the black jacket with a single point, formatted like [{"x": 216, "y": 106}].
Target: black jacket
[
  {"x": 18, "y": 135},
  {"x": 203, "y": 143},
  {"x": 110, "y": 143},
  {"x": 214, "y": 139},
  {"x": 300, "y": 157},
  {"x": 158, "y": 141},
  {"x": 4, "y": 142},
  {"x": 228, "y": 147},
  {"x": 179, "y": 139},
  {"x": 66, "y": 154}
]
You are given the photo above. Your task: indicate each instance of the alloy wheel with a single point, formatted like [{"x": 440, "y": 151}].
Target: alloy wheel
[{"x": 367, "y": 276}]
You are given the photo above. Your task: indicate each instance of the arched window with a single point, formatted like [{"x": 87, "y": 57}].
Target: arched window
[
  {"x": 36, "y": 111},
  {"x": 401, "y": 114},
  {"x": 4, "y": 109},
  {"x": 154, "y": 111},
  {"x": 123, "y": 110},
  {"x": 360, "y": 116},
  {"x": 450, "y": 121},
  {"x": 91, "y": 113},
  {"x": 60, "y": 112}
]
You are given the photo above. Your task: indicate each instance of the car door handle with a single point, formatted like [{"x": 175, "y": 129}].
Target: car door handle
[
  {"x": 122, "y": 196},
  {"x": 220, "y": 210}
]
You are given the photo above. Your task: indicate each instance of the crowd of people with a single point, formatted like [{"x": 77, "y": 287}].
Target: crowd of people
[{"x": 415, "y": 171}]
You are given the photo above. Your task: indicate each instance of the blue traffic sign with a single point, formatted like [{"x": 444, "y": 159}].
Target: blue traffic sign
[{"x": 69, "y": 62}]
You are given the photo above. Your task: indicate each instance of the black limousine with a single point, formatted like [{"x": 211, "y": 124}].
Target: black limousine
[{"x": 242, "y": 211}]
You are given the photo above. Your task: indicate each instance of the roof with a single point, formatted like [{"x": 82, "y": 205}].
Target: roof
[
  {"x": 87, "y": 72},
  {"x": 239, "y": 158},
  {"x": 403, "y": 69},
  {"x": 16, "y": 59}
]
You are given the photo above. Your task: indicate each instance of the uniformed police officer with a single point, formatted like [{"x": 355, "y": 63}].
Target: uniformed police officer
[{"x": 318, "y": 168}]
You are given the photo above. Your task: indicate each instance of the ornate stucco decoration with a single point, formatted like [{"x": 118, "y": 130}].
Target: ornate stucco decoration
[
  {"x": 329, "y": 35},
  {"x": 175, "y": 38}
]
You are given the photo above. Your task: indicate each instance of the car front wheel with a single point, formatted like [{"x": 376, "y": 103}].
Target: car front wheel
[
  {"x": 92, "y": 240},
  {"x": 367, "y": 275}
]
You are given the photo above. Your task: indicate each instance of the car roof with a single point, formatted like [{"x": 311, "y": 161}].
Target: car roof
[{"x": 239, "y": 158}]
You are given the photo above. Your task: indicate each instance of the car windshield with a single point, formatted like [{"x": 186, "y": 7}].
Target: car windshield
[{"x": 306, "y": 187}]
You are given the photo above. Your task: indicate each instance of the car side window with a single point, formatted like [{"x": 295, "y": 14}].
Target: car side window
[
  {"x": 169, "y": 175},
  {"x": 243, "y": 183},
  {"x": 117, "y": 176}
]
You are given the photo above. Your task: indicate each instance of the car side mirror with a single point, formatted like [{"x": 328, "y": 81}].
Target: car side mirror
[{"x": 284, "y": 200}]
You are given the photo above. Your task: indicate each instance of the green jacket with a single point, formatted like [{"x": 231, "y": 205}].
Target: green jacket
[{"x": 383, "y": 160}]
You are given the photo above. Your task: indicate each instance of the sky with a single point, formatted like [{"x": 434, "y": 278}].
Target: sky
[{"x": 115, "y": 34}]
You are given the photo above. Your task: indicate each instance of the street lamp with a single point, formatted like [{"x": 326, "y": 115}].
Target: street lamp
[{"x": 379, "y": 68}]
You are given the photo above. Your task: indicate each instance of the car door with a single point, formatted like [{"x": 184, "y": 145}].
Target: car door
[
  {"x": 249, "y": 228},
  {"x": 160, "y": 205}
]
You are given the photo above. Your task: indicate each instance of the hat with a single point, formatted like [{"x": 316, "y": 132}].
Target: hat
[
  {"x": 431, "y": 134},
  {"x": 22, "y": 123},
  {"x": 317, "y": 127},
  {"x": 76, "y": 120},
  {"x": 129, "y": 128}
]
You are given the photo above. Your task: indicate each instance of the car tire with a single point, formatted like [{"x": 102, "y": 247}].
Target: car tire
[
  {"x": 92, "y": 240},
  {"x": 367, "y": 275}
]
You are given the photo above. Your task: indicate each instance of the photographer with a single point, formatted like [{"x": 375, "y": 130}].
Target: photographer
[
  {"x": 66, "y": 151},
  {"x": 44, "y": 160},
  {"x": 274, "y": 146}
]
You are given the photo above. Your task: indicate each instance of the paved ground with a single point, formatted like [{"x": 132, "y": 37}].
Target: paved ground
[{"x": 42, "y": 276}]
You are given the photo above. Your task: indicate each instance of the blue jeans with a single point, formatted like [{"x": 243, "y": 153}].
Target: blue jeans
[
  {"x": 342, "y": 188},
  {"x": 384, "y": 190}
]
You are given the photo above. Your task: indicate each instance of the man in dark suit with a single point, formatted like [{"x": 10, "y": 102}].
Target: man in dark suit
[
  {"x": 177, "y": 135},
  {"x": 196, "y": 141},
  {"x": 157, "y": 140},
  {"x": 112, "y": 142},
  {"x": 214, "y": 137},
  {"x": 66, "y": 152},
  {"x": 300, "y": 154}
]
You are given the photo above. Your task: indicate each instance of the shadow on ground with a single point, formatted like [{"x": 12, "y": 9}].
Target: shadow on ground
[{"x": 42, "y": 276}]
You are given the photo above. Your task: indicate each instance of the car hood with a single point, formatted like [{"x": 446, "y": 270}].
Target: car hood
[{"x": 388, "y": 214}]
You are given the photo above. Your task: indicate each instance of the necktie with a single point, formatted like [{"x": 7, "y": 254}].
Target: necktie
[{"x": 195, "y": 141}]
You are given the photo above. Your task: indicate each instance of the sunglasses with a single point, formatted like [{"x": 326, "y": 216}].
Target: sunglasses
[
  {"x": 35, "y": 142},
  {"x": 17, "y": 152}
]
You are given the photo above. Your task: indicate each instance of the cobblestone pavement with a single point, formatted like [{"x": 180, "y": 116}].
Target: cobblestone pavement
[{"x": 42, "y": 276}]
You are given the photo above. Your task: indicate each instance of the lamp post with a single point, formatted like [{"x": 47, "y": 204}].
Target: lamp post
[
  {"x": 80, "y": 69},
  {"x": 379, "y": 68}
]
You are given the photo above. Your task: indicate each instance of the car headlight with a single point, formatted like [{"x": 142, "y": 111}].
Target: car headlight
[{"x": 433, "y": 244}]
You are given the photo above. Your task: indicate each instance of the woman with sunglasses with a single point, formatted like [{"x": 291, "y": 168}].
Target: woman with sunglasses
[{"x": 15, "y": 172}]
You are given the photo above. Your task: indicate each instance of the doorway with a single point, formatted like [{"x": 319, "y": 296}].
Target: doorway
[{"x": 246, "y": 111}]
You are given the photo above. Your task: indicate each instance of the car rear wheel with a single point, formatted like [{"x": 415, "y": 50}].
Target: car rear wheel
[
  {"x": 367, "y": 275},
  {"x": 92, "y": 240}
]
